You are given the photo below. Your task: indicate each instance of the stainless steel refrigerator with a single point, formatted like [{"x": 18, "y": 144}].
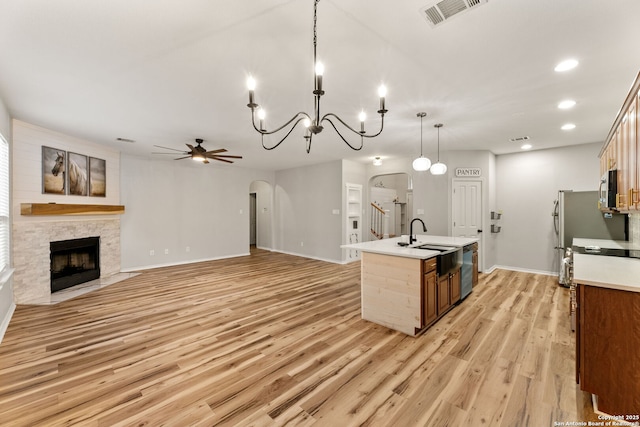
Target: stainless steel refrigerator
[{"x": 576, "y": 214}]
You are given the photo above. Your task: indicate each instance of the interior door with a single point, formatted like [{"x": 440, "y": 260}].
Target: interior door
[{"x": 467, "y": 211}]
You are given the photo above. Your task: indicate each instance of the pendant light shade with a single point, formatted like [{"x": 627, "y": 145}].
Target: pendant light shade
[
  {"x": 438, "y": 168},
  {"x": 421, "y": 163}
]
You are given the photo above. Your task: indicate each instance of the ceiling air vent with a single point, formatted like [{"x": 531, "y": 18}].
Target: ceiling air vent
[
  {"x": 519, "y": 139},
  {"x": 444, "y": 10}
]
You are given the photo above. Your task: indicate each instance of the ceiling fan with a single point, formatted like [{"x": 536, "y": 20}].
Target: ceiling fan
[{"x": 199, "y": 153}]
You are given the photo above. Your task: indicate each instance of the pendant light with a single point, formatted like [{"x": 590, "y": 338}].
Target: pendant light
[
  {"x": 438, "y": 168},
  {"x": 421, "y": 163}
]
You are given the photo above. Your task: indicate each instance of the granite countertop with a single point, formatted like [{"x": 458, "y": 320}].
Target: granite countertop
[
  {"x": 391, "y": 247},
  {"x": 607, "y": 272}
]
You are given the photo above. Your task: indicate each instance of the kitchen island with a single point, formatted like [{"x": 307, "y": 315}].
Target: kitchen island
[
  {"x": 400, "y": 286},
  {"x": 607, "y": 327}
]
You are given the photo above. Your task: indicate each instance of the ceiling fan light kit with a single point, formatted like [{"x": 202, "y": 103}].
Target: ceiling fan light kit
[
  {"x": 200, "y": 154},
  {"x": 312, "y": 123}
]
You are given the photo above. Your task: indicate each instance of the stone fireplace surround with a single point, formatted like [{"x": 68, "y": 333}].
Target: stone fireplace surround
[{"x": 31, "y": 280}]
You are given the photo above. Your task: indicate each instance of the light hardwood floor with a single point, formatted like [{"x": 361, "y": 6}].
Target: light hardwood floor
[{"x": 273, "y": 339}]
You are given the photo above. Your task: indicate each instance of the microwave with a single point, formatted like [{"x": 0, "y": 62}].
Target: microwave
[{"x": 609, "y": 189}]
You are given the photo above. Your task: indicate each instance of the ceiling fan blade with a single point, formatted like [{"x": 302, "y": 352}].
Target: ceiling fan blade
[
  {"x": 221, "y": 160},
  {"x": 228, "y": 156},
  {"x": 171, "y": 154},
  {"x": 168, "y": 148},
  {"x": 185, "y": 157},
  {"x": 222, "y": 150},
  {"x": 190, "y": 146}
]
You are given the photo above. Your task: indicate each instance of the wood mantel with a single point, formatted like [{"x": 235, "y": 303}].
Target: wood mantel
[{"x": 68, "y": 209}]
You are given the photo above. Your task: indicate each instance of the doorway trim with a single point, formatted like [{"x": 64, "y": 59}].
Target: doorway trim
[{"x": 480, "y": 221}]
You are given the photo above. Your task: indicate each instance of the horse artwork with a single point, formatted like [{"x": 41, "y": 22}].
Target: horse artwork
[
  {"x": 53, "y": 170},
  {"x": 77, "y": 174},
  {"x": 97, "y": 177}
]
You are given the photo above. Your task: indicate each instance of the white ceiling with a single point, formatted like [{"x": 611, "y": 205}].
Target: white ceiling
[{"x": 167, "y": 72}]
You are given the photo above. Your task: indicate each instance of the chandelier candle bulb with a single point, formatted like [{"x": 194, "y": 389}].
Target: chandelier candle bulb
[
  {"x": 261, "y": 115},
  {"x": 382, "y": 93},
  {"x": 362, "y": 116},
  {"x": 251, "y": 85},
  {"x": 319, "y": 73}
]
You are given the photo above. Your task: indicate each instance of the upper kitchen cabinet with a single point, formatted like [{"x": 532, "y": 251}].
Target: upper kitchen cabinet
[{"x": 621, "y": 154}]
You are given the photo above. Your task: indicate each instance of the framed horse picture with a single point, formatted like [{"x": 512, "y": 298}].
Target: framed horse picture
[
  {"x": 97, "y": 177},
  {"x": 77, "y": 177},
  {"x": 54, "y": 166}
]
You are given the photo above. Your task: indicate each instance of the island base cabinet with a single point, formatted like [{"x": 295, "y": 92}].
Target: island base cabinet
[
  {"x": 391, "y": 291},
  {"x": 608, "y": 343}
]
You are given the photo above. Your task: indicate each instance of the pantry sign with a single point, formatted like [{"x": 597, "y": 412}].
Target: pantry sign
[{"x": 468, "y": 172}]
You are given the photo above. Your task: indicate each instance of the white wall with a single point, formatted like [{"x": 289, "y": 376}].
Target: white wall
[
  {"x": 6, "y": 285},
  {"x": 171, "y": 206},
  {"x": 305, "y": 199},
  {"x": 527, "y": 184}
]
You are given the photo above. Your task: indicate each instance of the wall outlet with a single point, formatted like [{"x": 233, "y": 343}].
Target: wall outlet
[
  {"x": 166, "y": 251},
  {"x": 152, "y": 252},
  {"x": 336, "y": 211},
  {"x": 301, "y": 243},
  {"x": 240, "y": 211},
  {"x": 187, "y": 249}
]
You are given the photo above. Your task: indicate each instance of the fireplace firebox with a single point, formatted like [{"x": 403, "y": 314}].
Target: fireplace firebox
[{"x": 74, "y": 261}]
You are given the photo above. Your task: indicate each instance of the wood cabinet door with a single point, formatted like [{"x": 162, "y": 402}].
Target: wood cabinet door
[
  {"x": 455, "y": 283},
  {"x": 620, "y": 146},
  {"x": 430, "y": 299},
  {"x": 444, "y": 300}
]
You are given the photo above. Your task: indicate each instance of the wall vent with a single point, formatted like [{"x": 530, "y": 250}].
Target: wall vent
[
  {"x": 519, "y": 139},
  {"x": 444, "y": 10}
]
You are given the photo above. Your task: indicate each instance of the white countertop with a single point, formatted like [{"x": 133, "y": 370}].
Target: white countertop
[
  {"x": 390, "y": 246},
  {"x": 607, "y": 271},
  {"x": 603, "y": 243}
]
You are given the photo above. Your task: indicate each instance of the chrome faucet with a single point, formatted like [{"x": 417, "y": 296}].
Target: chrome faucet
[{"x": 424, "y": 229}]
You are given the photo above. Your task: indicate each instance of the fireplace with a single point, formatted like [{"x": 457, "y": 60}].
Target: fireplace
[{"x": 74, "y": 261}]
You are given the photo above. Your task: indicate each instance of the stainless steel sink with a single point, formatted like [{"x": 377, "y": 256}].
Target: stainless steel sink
[{"x": 449, "y": 258}]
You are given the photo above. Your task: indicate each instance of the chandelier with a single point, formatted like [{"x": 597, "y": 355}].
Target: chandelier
[{"x": 313, "y": 123}]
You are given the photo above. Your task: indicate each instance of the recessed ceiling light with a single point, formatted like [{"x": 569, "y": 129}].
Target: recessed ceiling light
[
  {"x": 526, "y": 146},
  {"x": 566, "y": 65},
  {"x": 566, "y": 104},
  {"x": 568, "y": 126},
  {"x": 377, "y": 161}
]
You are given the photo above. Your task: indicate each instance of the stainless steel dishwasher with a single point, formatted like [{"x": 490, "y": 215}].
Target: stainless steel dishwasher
[{"x": 466, "y": 279}]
